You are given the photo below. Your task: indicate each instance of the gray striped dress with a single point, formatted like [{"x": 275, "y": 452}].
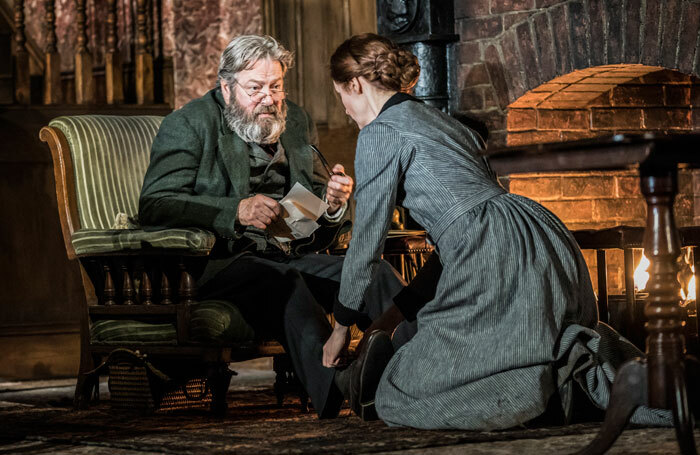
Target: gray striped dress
[{"x": 514, "y": 316}]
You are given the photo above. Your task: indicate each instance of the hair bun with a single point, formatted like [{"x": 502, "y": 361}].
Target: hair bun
[
  {"x": 376, "y": 58},
  {"x": 410, "y": 69},
  {"x": 397, "y": 69}
]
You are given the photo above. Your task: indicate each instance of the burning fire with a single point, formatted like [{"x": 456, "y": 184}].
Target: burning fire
[
  {"x": 691, "y": 287},
  {"x": 641, "y": 277}
]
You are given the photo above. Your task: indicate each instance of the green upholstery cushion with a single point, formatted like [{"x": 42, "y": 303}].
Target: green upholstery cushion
[
  {"x": 211, "y": 321},
  {"x": 98, "y": 241},
  {"x": 120, "y": 331},
  {"x": 218, "y": 321},
  {"x": 110, "y": 157}
]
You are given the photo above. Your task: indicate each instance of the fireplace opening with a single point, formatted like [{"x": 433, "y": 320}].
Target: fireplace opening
[{"x": 602, "y": 101}]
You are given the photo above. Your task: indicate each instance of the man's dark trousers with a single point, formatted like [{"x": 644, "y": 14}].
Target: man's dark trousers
[{"x": 287, "y": 299}]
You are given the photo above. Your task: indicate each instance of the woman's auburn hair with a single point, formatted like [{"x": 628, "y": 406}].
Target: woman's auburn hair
[{"x": 377, "y": 59}]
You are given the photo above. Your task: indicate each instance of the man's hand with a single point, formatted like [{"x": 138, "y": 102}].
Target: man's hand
[
  {"x": 335, "y": 345},
  {"x": 258, "y": 211},
  {"x": 339, "y": 189}
]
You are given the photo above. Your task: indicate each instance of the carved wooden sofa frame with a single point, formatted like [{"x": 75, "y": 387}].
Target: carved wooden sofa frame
[{"x": 148, "y": 284}]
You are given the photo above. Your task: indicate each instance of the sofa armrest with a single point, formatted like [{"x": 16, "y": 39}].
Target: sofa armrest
[{"x": 185, "y": 241}]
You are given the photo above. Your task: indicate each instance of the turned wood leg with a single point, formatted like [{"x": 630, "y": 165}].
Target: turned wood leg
[
  {"x": 87, "y": 387},
  {"x": 83, "y": 387},
  {"x": 84, "y": 390},
  {"x": 146, "y": 287},
  {"x": 628, "y": 392},
  {"x": 665, "y": 341},
  {"x": 682, "y": 420},
  {"x": 166, "y": 292},
  {"x": 664, "y": 372},
  {"x": 280, "y": 378},
  {"x": 127, "y": 286},
  {"x": 219, "y": 378},
  {"x": 187, "y": 289},
  {"x": 287, "y": 381},
  {"x": 109, "y": 292}
]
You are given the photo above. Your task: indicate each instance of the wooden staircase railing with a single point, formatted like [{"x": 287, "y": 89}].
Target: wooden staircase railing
[
  {"x": 144, "y": 88},
  {"x": 113, "y": 64},
  {"x": 144, "y": 58},
  {"x": 21, "y": 56},
  {"x": 83, "y": 60},
  {"x": 20, "y": 52},
  {"x": 52, "y": 66}
]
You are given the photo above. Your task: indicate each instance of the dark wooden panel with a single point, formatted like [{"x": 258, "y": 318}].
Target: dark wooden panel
[
  {"x": 363, "y": 16},
  {"x": 315, "y": 78},
  {"x": 38, "y": 356},
  {"x": 39, "y": 284},
  {"x": 338, "y": 26},
  {"x": 285, "y": 30}
]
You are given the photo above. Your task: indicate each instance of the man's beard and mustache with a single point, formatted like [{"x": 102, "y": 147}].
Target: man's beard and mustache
[{"x": 250, "y": 127}]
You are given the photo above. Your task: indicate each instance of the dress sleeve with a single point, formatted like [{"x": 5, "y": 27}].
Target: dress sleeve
[{"x": 378, "y": 170}]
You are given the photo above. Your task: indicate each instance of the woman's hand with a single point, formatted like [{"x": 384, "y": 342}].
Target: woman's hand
[
  {"x": 337, "y": 342},
  {"x": 339, "y": 189}
]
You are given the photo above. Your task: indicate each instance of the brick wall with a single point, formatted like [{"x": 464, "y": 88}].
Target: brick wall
[
  {"x": 551, "y": 70},
  {"x": 509, "y": 47},
  {"x": 604, "y": 199},
  {"x": 606, "y": 100}
]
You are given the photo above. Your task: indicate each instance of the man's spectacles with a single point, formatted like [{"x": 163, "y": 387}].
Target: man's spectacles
[{"x": 257, "y": 95}]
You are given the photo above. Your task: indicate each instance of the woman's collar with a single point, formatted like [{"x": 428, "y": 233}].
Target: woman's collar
[{"x": 397, "y": 98}]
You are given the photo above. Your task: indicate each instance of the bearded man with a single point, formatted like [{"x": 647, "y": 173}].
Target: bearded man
[{"x": 222, "y": 163}]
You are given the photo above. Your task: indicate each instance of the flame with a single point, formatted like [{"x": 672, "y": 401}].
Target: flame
[{"x": 641, "y": 276}]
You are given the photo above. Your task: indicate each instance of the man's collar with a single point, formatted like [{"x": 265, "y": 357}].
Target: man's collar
[
  {"x": 219, "y": 96},
  {"x": 219, "y": 99}
]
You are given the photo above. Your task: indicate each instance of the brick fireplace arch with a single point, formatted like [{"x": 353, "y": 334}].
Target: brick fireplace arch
[
  {"x": 510, "y": 47},
  {"x": 602, "y": 101},
  {"x": 606, "y": 100}
]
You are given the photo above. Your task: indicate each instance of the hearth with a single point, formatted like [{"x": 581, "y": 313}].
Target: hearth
[{"x": 603, "y": 101}]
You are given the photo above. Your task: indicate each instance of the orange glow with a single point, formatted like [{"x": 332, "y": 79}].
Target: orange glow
[
  {"x": 641, "y": 276},
  {"x": 691, "y": 286}
]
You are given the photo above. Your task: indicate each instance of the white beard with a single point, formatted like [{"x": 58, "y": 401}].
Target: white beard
[{"x": 250, "y": 128}]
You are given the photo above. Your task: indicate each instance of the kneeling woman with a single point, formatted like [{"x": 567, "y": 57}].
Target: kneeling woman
[{"x": 514, "y": 310}]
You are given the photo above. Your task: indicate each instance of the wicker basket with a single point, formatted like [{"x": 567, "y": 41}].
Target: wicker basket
[{"x": 136, "y": 384}]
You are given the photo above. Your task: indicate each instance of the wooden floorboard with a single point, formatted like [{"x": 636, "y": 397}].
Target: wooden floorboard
[{"x": 36, "y": 418}]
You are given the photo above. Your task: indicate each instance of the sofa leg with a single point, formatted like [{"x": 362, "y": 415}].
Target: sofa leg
[
  {"x": 83, "y": 391},
  {"x": 219, "y": 379},
  {"x": 286, "y": 381},
  {"x": 87, "y": 385}
]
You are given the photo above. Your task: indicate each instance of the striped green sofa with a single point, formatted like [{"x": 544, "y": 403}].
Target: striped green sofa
[{"x": 139, "y": 285}]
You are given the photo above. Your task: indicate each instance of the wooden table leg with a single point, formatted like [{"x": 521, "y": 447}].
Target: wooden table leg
[{"x": 663, "y": 372}]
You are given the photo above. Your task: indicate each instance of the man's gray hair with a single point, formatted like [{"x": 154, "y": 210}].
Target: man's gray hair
[{"x": 243, "y": 51}]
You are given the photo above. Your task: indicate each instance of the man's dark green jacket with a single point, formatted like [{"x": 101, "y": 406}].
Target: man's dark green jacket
[{"x": 200, "y": 170}]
